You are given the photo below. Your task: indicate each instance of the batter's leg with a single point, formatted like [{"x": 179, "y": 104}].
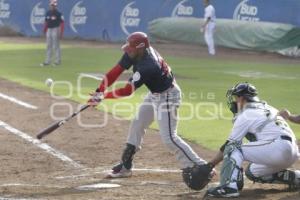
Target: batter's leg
[
  {"x": 137, "y": 130},
  {"x": 167, "y": 121},
  {"x": 141, "y": 122}
]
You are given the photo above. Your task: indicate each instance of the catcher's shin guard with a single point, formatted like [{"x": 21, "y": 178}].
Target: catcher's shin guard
[{"x": 229, "y": 166}]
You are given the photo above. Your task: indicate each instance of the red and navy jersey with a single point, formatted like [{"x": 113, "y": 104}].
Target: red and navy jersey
[
  {"x": 53, "y": 18},
  {"x": 151, "y": 70}
]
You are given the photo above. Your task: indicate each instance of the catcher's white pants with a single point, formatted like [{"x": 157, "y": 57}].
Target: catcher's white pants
[
  {"x": 267, "y": 157},
  {"x": 163, "y": 107},
  {"x": 53, "y": 45},
  {"x": 209, "y": 37}
]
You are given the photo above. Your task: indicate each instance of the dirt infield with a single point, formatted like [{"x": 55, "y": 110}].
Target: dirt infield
[{"x": 31, "y": 170}]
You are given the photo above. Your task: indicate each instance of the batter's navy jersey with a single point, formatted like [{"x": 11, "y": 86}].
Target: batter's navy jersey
[
  {"x": 53, "y": 18},
  {"x": 151, "y": 70}
]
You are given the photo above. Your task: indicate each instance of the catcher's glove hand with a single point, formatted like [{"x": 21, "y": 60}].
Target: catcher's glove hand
[{"x": 198, "y": 176}]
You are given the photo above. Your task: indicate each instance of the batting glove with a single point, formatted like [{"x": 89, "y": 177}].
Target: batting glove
[{"x": 96, "y": 98}]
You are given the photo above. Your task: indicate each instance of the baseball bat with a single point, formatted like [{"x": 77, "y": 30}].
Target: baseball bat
[{"x": 57, "y": 124}]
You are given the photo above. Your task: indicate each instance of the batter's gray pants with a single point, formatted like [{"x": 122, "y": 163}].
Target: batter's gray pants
[
  {"x": 163, "y": 107},
  {"x": 52, "y": 38}
]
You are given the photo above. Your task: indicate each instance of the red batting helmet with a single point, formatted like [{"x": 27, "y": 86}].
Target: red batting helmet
[{"x": 136, "y": 40}]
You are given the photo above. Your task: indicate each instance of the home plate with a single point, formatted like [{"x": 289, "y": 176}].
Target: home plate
[{"x": 98, "y": 186}]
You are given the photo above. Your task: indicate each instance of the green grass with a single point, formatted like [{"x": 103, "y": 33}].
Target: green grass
[{"x": 208, "y": 79}]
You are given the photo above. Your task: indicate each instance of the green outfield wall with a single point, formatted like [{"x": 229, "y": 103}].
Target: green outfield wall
[{"x": 229, "y": 33}]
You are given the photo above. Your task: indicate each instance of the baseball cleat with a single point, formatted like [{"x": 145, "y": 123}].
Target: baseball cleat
[
  {"x": 119, "y": 171},
  {"x": 223, "y": 192},
  {"x": 55, "y": 64},
  {"x": 295, "y": 185},
  {"x": 121, "y": 174},
  {"x": 44, "y": 64}
]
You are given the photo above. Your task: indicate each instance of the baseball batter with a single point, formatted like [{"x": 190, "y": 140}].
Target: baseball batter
[
  {"x": 209, "y": 26},
  {"x": 271, "y": 150},
  {"x": 161, "y": 103},
  {"x": 53, "y": 28}
]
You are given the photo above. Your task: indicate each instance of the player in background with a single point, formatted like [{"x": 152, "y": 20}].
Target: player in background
[
  {"x": 288, "y": 116},
  {"x": 272, "y": 146},
  {"x": 161, "y": 103},
  {"x": 54, "y": 29},
  {"x": 209, "y": 26}
]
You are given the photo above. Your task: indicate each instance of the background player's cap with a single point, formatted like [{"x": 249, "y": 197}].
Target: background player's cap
[
  {"x": 53, "y": 2},
  {"x": 136, "y": 40}
]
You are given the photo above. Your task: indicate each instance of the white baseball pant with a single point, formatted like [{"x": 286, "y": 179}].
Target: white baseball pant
[
  {"x": 163, "y": 107},
  {"x": 209, "y": 37}
]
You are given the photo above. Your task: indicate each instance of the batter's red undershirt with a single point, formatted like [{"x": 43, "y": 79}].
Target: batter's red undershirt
[{"x": 109, "y": 79}]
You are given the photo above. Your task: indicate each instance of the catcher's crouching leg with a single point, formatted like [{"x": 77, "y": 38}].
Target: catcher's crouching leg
[
  {"x": 231, "y": 180},
  {"x": 198, "y": 176},
  {"x": 231, "y": 172},
  {"x": 286, "y": 176}
]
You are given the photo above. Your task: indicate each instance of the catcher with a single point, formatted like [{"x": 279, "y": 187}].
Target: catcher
[{"x": 271, "y": 150}]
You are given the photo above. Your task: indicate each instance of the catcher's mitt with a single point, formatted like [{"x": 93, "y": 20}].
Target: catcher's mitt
[{"x": 198, "y": 176}]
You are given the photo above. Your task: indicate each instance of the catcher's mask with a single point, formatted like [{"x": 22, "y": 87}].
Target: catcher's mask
[{"x": 246, "y": 90}]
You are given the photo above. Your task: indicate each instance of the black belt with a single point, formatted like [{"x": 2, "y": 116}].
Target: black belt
[{"x": 285, "y": 137}]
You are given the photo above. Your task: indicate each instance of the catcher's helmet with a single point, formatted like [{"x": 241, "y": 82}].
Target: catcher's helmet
[
  {"x": 136, "y": 40},
  {"x": 246, "y": 90}
]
